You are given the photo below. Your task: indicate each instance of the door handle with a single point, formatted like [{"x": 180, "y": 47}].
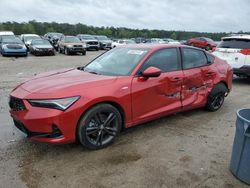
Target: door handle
[
  {"x": 175, "y": 79},
  {"x": 210, "y": 73}
]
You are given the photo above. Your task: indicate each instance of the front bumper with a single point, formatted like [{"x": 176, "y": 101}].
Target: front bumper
[
  {"x": 17, "y": 52},
  {"x": 76, "y": 50},
  {"x": 44, "y": 52},
  {"x": 244, "y": 70},
  {"x": 46, "y": 125}
]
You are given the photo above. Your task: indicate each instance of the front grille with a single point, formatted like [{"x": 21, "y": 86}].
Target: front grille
[
  {"x": 78, "y": 49},
  {"x": 16, "y": 104},
  {"x": 13, "y": 46},
  {"x": 92, "y": 43},
  {"x": 78, "y": 46}
]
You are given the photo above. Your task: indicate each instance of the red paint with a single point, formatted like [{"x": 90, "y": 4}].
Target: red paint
[
  {"x": 140, "y": 99},
  {"x": 201, "y": 42}
]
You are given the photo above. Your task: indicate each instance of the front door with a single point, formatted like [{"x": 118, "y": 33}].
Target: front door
[{"x": 154, "y": 97}]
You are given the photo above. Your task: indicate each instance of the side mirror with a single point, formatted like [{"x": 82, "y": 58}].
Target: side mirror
[{"x": 151, "y": 72}]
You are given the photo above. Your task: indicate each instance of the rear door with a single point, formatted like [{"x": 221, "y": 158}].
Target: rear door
[
  {"x": 233, "y": 50},
  {"x": 194, "y": 91},
  {"x": 154, "y": 96}
]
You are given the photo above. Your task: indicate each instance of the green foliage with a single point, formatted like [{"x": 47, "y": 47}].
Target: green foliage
[{"x": 41, "y": 28}]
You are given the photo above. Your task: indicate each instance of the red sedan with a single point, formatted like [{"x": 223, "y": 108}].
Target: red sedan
[
  {"x": 202, "y": 42},
  {"x": 123, "y": 87}
]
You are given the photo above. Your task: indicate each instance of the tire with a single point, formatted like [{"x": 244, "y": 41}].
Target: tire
[
  {"x": 59, "y": 50},
  {"x": 207, "y": 48},
  {"x": 66, "y": 51},
  {"x": 216, "y": 97},
  {"x": 84, "y": 52},
  {"x": 92, "y": 131},
  {"x": 97, "y": 49}
]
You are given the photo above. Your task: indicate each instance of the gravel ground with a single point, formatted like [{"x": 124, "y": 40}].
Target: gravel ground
[{"x": 190, "y": 149}]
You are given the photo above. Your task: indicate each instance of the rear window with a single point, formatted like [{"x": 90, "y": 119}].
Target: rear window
[{"x": 235, "y": 43}]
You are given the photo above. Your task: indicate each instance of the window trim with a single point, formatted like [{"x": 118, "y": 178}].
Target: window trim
[
  {"x": 139, "y": 72},
  {"x": 182, "y": 59}
]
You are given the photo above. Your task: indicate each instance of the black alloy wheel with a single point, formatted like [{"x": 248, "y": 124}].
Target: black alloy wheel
[
  {"x": 99, "y": 126},
  {"x": 216, "y": 97}
]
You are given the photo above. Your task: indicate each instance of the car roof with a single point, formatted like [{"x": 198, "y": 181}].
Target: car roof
[
  {"x": 6, "y": 33},
  {"x": 156, "y": 46},
  {"x": 29, "y": 35},
  {"x": 240, "y": 36}
]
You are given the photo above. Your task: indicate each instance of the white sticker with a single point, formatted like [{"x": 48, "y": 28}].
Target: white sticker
[{"x": 136, "y": 52}]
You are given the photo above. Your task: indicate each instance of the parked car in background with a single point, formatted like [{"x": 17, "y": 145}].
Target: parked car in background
[
  {"x": 104, "y": 42},
  {"x": 236, "y": 51},
  {"x": 139, "y": 40},
  {"x": 41, "y": 47},
  {"x": 202, "y": 42},
  {"x": 12, "y": 47},
  {"x": 171, "y": 41},
  {"x": 121, "y": 88},
  {"x": 27, "y": 38},
  {"x": 71, "y": 45},
  {"x": 156, "y": 41},
  {"x": 6, "y": 35},
  {"x": 122, "y": 42},
  {"x": 90, "y": 41},
  {"x": 53, "y": 38}
]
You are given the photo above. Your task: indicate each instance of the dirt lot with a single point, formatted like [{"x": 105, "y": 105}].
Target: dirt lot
[{"x": 190, "y": 149}]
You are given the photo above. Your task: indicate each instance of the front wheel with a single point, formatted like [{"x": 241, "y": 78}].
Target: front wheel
[
  {"x": 216, "y": 97},
  {"x": 99, "y": 126}
]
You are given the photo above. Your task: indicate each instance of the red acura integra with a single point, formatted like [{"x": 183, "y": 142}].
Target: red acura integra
[{"x": 123, "y": 87}]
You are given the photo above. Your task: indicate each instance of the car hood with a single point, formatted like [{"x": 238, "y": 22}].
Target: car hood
[
  {"x": 106, "y": 41},
  {"x": 89, "y": 40},
  {"x": 67, "y": 81},
  {"x": 77, "y": 43},
  {"x": 42, "y": 46}
]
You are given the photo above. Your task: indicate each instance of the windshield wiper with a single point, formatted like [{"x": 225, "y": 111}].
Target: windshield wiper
[{"x": 93, "y": 72}]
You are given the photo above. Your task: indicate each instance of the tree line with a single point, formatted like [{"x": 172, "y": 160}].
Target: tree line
[{"x": 41, "y": 28}]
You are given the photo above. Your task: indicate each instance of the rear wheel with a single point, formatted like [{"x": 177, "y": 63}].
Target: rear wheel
[
  {"x": 99, "y": 126},
  {"x": 208, "y": 47},
  {"x": 216, "y": 97}
]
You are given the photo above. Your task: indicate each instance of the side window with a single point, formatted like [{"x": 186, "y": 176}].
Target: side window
[
  {"x": 166, "y": 60},
  {"x": 210, "y": 58},
  {"x": 193, "y": 58}
]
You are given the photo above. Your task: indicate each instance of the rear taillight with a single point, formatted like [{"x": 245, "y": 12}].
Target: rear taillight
[{"x": 245, "y": 51}]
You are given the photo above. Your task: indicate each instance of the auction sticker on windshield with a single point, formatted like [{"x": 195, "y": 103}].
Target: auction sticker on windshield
[{"x": 136, "y": 52}]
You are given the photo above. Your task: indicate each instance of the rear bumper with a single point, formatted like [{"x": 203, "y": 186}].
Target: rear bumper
[{"x": 244, "y": 70}]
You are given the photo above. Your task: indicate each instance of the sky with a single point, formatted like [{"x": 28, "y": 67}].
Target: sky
[{"x": 185, "y": 15}]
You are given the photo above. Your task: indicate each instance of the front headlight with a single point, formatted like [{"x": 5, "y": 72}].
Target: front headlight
[
  {"x": 69, "y": 46},
  {"x": 60, "y": 104}
]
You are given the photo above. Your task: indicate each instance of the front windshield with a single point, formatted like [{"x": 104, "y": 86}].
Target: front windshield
[
  {"x": 88, "y": 37},
  {"x": 117, "y": 62},
  {"x": 12, "y": 41},
  {"x": 30, "y": 38},
  {"x": 102, "y": 37},
  {"x": 72, "y": 40},
  {"x": 56, "y": 35},
  {"x": 40, "y": 42}
]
